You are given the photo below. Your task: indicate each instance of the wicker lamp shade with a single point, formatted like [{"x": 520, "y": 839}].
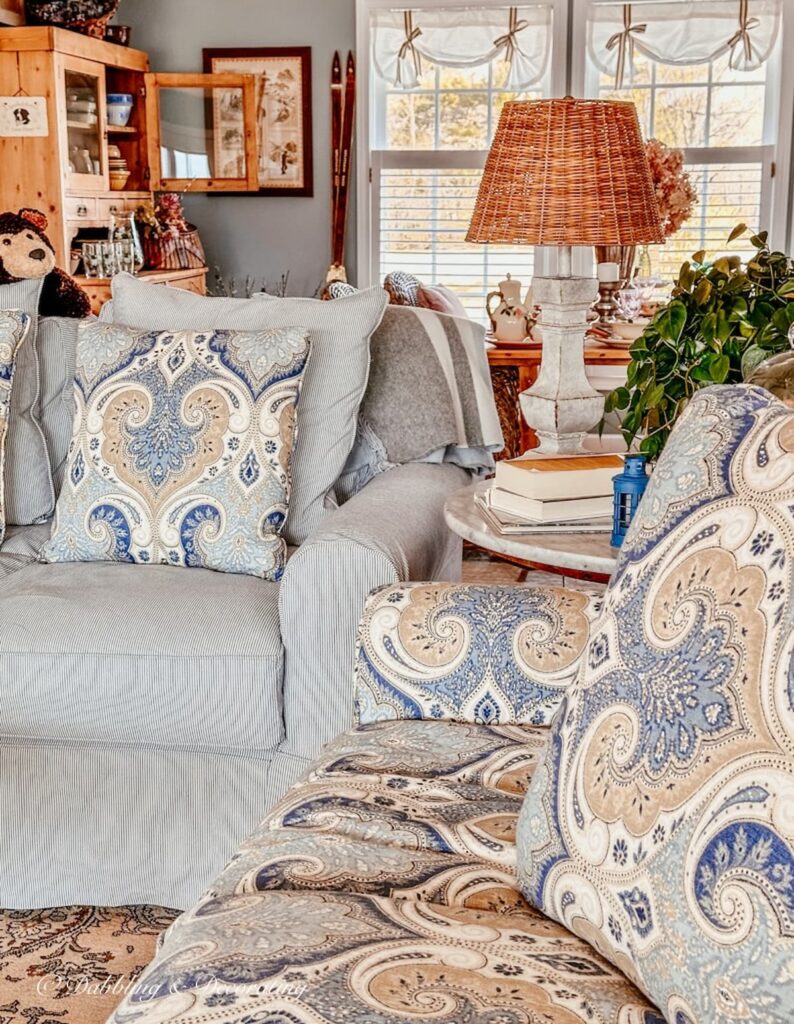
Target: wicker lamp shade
[{"x": 567, "y": 172}]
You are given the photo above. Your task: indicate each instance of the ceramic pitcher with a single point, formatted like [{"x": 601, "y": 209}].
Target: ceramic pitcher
[{"x": 508, "y": 314}]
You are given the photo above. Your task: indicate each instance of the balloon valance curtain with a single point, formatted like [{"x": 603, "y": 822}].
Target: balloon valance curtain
[
  {"x": 462, "y": 37},
  {"x": 681, "y": 33}
]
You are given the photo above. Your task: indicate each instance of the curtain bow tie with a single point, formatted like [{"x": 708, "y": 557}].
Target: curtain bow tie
[
  {"x": 408, "y": 47},
  {"x": 624, "y": 41},
  {"x": 741, "y": 36},
  {"x": 509, "y": 41}
]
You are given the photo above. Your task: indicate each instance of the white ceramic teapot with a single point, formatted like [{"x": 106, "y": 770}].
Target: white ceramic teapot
[{"x": 509, "y": 319}]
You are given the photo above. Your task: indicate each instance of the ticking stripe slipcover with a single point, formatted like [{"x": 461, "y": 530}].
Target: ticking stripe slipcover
[
  {"x": 29, "y": 494},
  {"x": 179, "y": 705},
  {"x": 14, "y": 332}
]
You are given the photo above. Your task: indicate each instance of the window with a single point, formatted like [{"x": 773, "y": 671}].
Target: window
[
  {"x": 429, "y": 142},
  {"x": 721, "y": 118},
  {"x": 702, "y": 78}
]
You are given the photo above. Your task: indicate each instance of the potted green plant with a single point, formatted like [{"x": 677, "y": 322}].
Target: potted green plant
[{"x": 724, "y": 317}]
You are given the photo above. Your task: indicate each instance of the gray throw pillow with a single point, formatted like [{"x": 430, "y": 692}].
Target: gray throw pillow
[
  {"x": 29, "y": 493},
  {"x": 334, "y": 382}
]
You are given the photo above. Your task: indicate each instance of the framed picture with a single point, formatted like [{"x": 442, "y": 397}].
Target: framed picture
[{"x": 283, "y": 113}]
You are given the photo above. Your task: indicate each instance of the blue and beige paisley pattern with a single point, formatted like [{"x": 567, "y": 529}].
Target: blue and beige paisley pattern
[
  {"x": 382, "y": 890},
  {"x": 181, "y": 450},
  {"x": 14, "y": 326},
  {"x": 474, "y": 653},
  {"x": 660, "y": 826}
]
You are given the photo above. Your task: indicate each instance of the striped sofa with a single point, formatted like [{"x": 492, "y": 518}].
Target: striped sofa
[{"x": 151, "y": 715}]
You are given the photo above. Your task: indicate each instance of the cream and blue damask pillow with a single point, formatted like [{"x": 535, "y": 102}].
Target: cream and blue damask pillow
[
  {"x": 486, "y": 654},
  {"x": 14, "y": 327},
  {"x": 181, "y": 449},
  {"x": 661, "y": 825}
]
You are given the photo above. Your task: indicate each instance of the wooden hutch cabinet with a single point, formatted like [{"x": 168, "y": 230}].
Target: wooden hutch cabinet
[{"x": 169, "y": 143}]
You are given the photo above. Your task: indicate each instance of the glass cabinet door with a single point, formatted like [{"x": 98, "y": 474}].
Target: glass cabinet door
[
  {"x": 84, "y": 117},
  {"x": 202, "y": 132}
]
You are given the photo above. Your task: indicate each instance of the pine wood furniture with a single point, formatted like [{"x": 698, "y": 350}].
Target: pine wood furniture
[
  {"x": 12, "y": 12},
  {"x": 167, "y": 143},
  {"x": 98, "y": 288},
  {"x": 515, "y": 368}
]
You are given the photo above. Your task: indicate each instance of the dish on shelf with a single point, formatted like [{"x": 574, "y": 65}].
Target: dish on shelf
[
  {"x": 628, "y": 331},
  {"x": 119, "y": 106}
]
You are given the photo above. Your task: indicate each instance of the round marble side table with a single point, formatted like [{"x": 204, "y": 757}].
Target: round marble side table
[{"x": 582, "y": 555}]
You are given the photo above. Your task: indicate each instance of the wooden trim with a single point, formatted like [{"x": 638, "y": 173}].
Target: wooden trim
[
  {"x": 75, "y": 44},
  {"x": 305, "y": 54},
  {"x": 176, "y": 80},
  {"x": 77, "y": 183},
  {"x": 12, "y": 12},
  {"x": 524, "y": 355}
]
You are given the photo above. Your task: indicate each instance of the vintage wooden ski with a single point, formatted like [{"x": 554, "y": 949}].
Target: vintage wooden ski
[
  {"x": 337, "y": 99},
  {"x": 342, "y": 192}
]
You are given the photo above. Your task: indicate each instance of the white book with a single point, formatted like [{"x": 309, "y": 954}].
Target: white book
[
  {"x": 533, "y": 510},
  {"x": 508, "y": 525},
  {"x": 559, "y": 478}
]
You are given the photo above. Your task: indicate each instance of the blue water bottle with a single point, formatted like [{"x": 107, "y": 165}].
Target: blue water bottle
[{"x": 629, "y": 486}]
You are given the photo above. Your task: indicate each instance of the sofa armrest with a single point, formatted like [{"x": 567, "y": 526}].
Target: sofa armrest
[
  {"x": 480, "y": 653},
  {"x": 392, "y": 530}
]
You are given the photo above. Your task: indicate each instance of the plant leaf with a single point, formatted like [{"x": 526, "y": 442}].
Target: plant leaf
[
  {"x": 686, "y": 278},
  {"x": 720, "y": 368},
  {"x": 753, "y": 356},
  {"x": 654, "y": 396},
  {"x": 738, "y": 230},
  {"x": 622, "y": 398},
  {"x": 702, "y": 293},
  {"x": 672, "y": 321}
]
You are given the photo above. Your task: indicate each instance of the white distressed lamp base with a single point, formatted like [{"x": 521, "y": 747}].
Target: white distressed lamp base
[{"x": 561, "y": 406}]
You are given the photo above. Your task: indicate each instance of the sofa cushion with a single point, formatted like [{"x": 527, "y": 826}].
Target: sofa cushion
[
  {"x": 56, "y": 340},
  {"x": 335, "y": 379},
  {"x": 14, "y": 331},
  {"x": 21, "y": 546},
  {"x": 182, "y": 448},
  {"x": 383, "y": 889},
  {"x": 660, "y": 825},
  {"x": 30, "y": 497},
  {"x": 482, "y": 653},
  {"x": 110, "y": 653}
]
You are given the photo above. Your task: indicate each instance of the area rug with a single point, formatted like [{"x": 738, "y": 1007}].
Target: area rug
[{"x": 72, "y": 965}]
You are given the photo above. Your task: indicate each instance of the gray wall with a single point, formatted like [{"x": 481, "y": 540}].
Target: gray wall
[{"x": 257, "y": 235}]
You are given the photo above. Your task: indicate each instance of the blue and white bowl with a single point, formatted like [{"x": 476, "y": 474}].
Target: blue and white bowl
[{"x": 119, "y": 109}]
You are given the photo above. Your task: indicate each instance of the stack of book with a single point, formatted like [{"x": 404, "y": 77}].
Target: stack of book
[{"x": 562, "y": 494}]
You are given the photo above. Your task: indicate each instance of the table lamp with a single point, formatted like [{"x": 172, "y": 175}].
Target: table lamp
[{"x": 565, "y": 172}]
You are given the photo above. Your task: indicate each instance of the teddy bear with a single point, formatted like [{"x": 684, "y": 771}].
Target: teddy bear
[{"x": 26, "y": 252}]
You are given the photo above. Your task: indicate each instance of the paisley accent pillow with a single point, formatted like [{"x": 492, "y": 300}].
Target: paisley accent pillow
[
  {"x": 475, "y": 653},
  {"x": 181, "y": 449},
  {"x": 14, "y": 327},
  {"x": 660, "y": 827}
]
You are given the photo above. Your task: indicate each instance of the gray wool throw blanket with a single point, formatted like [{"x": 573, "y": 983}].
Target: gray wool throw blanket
[{"x": 429, "y": 398}]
